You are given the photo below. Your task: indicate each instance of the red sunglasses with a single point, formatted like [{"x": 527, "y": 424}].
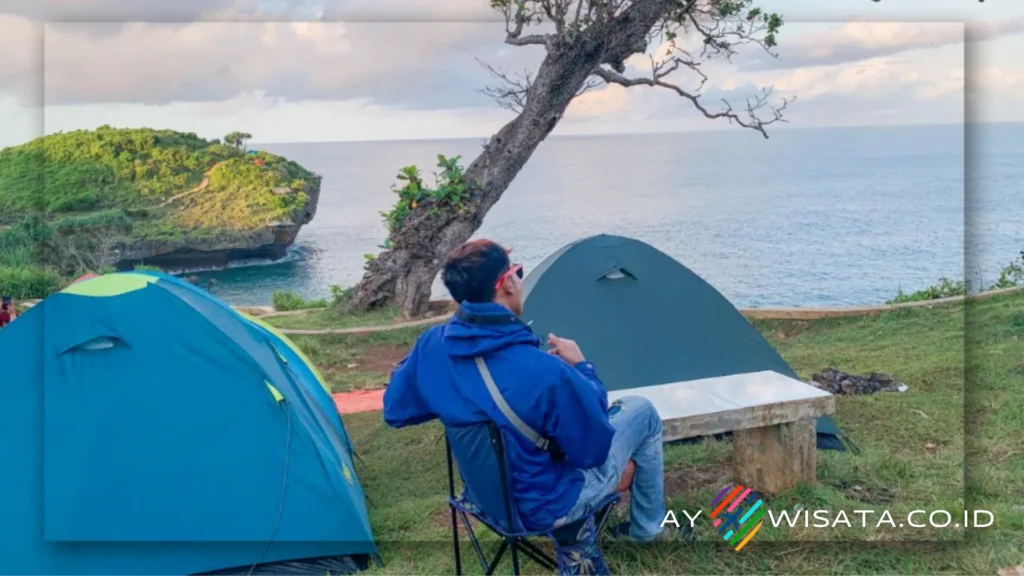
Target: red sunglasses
[{"x": 516, "y": 269}]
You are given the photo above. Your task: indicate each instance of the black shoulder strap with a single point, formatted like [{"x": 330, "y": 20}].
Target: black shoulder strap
[{"x": 531, "y": 434}]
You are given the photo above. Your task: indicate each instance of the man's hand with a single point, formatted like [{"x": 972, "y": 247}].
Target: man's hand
[{"x": 565, "y": 349}]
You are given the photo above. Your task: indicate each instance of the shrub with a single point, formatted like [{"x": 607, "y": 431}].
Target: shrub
[
  {"x": 23, "y": 282},
  {"x": 340, "y": 297},
  {"x": 946, "y": 288},
  {"x": 1010, "y": 276},
  {"x": 285, "y": 300}
]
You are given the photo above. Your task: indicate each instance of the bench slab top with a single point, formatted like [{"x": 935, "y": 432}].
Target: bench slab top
[{"x": 728, "y": 403}]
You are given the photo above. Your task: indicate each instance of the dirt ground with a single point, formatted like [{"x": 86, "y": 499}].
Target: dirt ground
[{"x": 381, "y": 358}]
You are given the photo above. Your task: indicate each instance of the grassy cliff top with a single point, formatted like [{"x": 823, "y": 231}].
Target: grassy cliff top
[
  {"x": 159, "y": 180},
  {"x": 67, "y": 197}
]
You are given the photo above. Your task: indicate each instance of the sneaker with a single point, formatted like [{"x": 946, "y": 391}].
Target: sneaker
[{"x": 684, "y": 533}]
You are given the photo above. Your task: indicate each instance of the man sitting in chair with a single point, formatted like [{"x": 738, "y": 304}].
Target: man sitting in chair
[{"x": 556, "y": 393}]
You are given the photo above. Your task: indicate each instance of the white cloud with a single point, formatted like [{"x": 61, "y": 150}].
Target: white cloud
[
  {"x": 953, "y": 83},
  {"x": 20, "y": 43},
  {"x": 399, "y": 63},
  {"x": 856, "y": 41},
  {"x": 388, "y": 79},
  {"x": 1010, "y": 82},
  {"x": 598, "y": 103},
  {"x": 869, "y": 78}
]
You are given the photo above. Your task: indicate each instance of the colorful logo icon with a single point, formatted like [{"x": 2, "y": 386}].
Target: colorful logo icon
[{"x": 737, "y": 515}]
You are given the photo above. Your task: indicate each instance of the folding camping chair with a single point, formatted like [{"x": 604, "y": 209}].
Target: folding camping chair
[{"x": 479, "y": 451}]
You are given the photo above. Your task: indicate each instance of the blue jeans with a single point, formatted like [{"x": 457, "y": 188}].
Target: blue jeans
[{"x": 637, "y": 438}]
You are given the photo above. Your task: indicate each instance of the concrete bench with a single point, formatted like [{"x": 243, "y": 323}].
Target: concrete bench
[{"x": 772, "y": 418}]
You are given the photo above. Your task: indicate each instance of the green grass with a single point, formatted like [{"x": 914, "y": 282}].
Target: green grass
[
  {"x": 68, "y": 197},
  {"x": 356, "y": 362},
  {"x": 329, "y": 318},
  {"x": 404, "y": 475},
  {"x": 285, "y": 300}
]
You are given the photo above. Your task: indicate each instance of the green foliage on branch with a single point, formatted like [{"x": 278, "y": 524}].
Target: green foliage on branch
[{"x": 450, "y": 192}]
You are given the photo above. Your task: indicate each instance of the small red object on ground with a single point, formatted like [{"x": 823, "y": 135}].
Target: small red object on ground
[{"x": 359, "y": 401}]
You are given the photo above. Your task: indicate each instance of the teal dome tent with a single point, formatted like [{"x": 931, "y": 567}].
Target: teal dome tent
[
  {"x": 645, "y": 319},
  {"x": 148, "y": 428}
]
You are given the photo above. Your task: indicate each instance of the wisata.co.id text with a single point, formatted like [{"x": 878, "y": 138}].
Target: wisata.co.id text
[{"x": 862, "y": 518}]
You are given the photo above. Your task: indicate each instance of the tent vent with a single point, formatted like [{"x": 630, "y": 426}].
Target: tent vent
[
  {"x": 617, "y": 274},
  {"x": 102, "y": 343}
]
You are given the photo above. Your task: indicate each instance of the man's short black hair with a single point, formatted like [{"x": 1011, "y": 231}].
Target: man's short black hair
[{"x": 472, "y": 270}]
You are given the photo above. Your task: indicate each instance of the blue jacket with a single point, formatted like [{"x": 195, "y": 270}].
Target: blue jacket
[{"x": 566, "y": 404}]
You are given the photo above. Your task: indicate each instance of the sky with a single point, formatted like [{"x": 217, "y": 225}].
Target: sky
[{"x": 351, "y": 70}]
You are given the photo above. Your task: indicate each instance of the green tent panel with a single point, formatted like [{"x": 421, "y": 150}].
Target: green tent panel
[
  {"x": 645, "y": 319},
  {"x": 148, "y": 428}
]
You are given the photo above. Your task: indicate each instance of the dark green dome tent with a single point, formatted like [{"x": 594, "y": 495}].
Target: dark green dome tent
[{"x": 645, "y": 319}]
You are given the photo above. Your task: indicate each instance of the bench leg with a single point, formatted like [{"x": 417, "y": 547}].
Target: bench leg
[{"x": 775, "y": 458}]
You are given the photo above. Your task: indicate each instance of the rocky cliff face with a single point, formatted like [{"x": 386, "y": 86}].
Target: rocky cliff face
[{"x": 218, "y": 248}]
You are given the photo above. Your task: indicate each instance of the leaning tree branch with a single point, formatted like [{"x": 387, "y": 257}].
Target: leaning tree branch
[
  {"x": 753, "y": 121},
  {"x": 579, "y": 10},
  {"x": 534, "y": 39}
]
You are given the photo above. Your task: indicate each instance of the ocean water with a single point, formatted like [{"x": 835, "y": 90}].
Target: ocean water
[{"x": 810, "y": 217}]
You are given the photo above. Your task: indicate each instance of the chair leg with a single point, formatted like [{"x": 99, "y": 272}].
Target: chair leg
[
  {"x": 451, "y": 494},
  {"x": 537, "y": 555},
  {"x": 473, "y": 540},
  {"x": 497, "y": 557},
  {"x": 455, "y": 542},
  {"x": 515, "y": 557}
]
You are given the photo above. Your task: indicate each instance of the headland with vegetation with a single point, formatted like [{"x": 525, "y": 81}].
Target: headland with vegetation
[{"x": 105, "y": 199}]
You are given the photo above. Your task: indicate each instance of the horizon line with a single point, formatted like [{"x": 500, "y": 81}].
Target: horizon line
[
  {"x": 252, "y": 144},
  {"x": 648, "y": 133}
]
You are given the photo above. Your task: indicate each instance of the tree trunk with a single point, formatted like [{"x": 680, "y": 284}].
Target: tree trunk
[{"x": 404, "y": 274}]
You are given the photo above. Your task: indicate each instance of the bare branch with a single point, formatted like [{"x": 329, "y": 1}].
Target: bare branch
[
  {"x": 510, "y": 93},
  {"x": 752, "y": 121},
  {"x": 722, "y": 36},
  {"x": 660, "y": 70},
  {"x": 590, "y": 84}
]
